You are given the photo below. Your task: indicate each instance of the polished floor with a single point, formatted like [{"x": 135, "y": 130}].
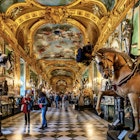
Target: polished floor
[{"x": 62, "y": 125}]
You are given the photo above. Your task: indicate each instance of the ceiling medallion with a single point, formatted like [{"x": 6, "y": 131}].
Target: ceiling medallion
[{"x": 54, "y": 2}]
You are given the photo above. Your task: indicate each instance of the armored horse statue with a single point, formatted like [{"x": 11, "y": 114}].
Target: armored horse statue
[{"x": 125, "y": 77}]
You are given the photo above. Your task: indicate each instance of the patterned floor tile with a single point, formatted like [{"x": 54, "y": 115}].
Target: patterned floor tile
[
  {"x": 63, "y": 133},
  {"x": 80, "y": 138},
  {"x": 64, "y": 138},
  {"x": 71, "y": 125}
]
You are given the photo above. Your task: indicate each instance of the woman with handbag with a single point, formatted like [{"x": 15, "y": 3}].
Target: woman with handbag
[
  {"x": 26, "y": 108},
  {"x": 42, "y": 101}
]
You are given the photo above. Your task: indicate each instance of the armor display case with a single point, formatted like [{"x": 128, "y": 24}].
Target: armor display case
[
  {"x": 9, "y": 106},
  {"x": 107, "y": 106}
]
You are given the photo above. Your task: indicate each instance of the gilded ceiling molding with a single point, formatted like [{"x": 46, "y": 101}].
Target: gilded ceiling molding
[
  {"x": 29, "y": 16},
  {"x": 121, "y": 6},
  {"x": 84, "y": 14},
  {"x": 4, "y": 28},
  {"x": 54, "y": 13}
]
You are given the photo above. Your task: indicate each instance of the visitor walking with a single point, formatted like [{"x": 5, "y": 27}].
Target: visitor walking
[
  {"x": 26, "y": 108},
  {"x": 42, "y": 101}
]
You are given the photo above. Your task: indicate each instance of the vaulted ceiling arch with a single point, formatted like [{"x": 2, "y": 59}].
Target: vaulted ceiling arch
[
  {"x": 67, "y": 66},
  {"x": 66, "y": 69},
  {"x": 54, "y": 80},
  {"x": 19, "y": 21}
]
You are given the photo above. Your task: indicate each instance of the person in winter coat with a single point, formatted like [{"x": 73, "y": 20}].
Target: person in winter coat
[
  {"x": 26, "y": 107},
  {"x": 42, "y": 101}
]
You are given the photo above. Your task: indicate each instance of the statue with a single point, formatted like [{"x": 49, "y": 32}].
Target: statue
[{"x": 5, "y": 88}]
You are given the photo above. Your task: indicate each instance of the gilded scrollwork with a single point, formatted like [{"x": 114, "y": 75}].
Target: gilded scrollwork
[
  {"x": 27, "y": 49},
  {"x": 16, "y": 11},
  {"x": 55, "y": 15}
]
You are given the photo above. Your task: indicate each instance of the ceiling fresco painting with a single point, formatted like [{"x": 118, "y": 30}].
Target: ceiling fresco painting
[
  {"x": 61, "y": 72},
  {"x": 55, "y": 41},
  {"x": 54, "y": 2}
]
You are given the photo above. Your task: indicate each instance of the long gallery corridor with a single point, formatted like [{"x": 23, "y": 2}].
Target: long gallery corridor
[{"x": 62, "y": 125}]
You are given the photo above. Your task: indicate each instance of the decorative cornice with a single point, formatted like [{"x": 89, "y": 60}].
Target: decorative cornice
[{"x": 54, "y": 15}]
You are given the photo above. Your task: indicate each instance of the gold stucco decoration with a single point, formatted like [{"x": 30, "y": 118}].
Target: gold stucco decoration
[{"x": 55, "y": 15}]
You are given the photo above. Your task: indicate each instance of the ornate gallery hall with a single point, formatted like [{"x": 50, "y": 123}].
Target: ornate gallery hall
[{"x": 84, "y": 53}]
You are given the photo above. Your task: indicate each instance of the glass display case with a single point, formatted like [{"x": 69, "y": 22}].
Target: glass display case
[
  {"x": 9, "y": 106},
  {"x": 87, "y": 101},
  {"x": 107, "y": 105},
  {"x": 6, "y": 110}
]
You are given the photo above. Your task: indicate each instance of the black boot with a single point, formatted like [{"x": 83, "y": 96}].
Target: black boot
[
  {"x": 46, "y": 126},
  {"x": 25, "y": 122},
  {"x": 42, "y": 127}
]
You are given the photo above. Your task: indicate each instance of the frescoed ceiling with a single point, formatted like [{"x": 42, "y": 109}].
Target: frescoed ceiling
[
  {"x": 61, "y": 72},
  {"x": 57, "y": 41},
  {"x": 50, "y": 31}
]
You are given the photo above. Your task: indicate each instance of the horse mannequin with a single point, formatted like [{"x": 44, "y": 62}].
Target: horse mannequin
[{"x": 125, "y": 80}]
